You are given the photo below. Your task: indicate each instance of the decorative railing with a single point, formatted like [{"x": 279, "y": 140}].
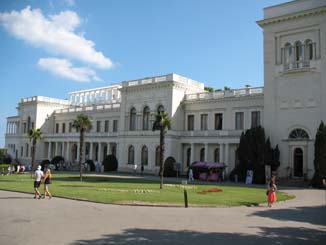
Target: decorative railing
[
  {"x": 297, "y": 65},
  {"x": 169, "y": 77},
  {"x": 215, "y": 133},
  {"x": 225, "y": 94},
  {"x": 45, "y": 99},
  {"x": 87, "y": 108}
]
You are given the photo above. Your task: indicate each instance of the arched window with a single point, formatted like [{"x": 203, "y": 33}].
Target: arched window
[
  {"x": 132, "y": 119},
  {"x": 298, "y": 51},
  {"x": 144, "y": 155},
  {"x": 157, "y": 156},
  {"x": 146, "y": 118},
  {"x": 309, "y": 50},
  {"x": 287, "y": 53},
  {"x": 160, "y": 108},
  {"x": 298, "y": 133},
  {"x": 202, "y": 154},
  {"x": 131, "y": 155},
  {"x": 188, "y": 156},
  {"x": 217, "y": 155}
]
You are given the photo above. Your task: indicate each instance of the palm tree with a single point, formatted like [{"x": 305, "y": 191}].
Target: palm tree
[
  {"x": 82, "y": 123},
  {"x": 162, "y": 122},
  {"x": 34, "y": 135}
]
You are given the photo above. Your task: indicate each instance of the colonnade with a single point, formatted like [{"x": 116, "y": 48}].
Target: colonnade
[
  {"x": 12, "y": 127},
  {"x": 70, "y": 150},
  {"x": 95, "y": 96}
]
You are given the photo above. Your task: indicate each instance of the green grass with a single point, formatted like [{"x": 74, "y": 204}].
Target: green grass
[{"x": 128, "y": 190}]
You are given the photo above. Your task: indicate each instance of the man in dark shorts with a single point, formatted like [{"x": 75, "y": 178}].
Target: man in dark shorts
[{"x": 38, "y": 176}]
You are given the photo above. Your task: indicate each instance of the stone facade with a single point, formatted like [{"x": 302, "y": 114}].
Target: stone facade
[{"x": 205, "y": 126}]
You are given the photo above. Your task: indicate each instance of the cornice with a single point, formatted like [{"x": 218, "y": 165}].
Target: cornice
[
  {"x": 295, "y": 16},
  {"x": 225, "y": 99}
]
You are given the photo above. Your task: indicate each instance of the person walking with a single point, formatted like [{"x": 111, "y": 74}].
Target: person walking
[
  {"x": 47, "y": 182},
  {"x": 190, "y": 175},
  {"x": 271, "y": 192},
  {"x": 37, "y": 182}
]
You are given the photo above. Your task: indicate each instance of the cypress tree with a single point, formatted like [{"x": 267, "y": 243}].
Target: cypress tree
[{"x": 320, "y": 156}]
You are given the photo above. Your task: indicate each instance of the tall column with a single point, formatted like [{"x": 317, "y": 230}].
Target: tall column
[
  {"x": 68, "y": 151},
  {"x": 206, "y": 152},
  {"x": 192, "y": 153},
  {"x": 55, "y": 148},
  {"x": 49, "y": 150},
  {"x": 7, "y": 129},
  {"x": 91, "y": 150}
]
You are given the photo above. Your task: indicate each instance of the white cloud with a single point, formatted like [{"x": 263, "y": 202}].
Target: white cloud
[
  {"x": 64, "y": 68},
  {"x": 56, "y": 34}
]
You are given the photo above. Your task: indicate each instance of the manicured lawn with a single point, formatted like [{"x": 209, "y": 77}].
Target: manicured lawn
[{"x": 113, "y": 189}]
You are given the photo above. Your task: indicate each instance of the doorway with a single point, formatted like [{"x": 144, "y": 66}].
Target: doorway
[{"x": 298, "y": 162}]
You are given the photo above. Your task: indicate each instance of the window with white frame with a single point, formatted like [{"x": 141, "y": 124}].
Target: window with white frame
[
  {"x": 144, "y": 155},
  {"x": 98, "y": 126},
  {"x": 132, "y": 125},
  {"x": 255, "y": 119},
  {"x": 106, "y": 126},
  {"x": 218, "y": 121},
  {"x": 203, "y": 121},
  {"x": 190, "y": 122},
  {"x": 131, "y": 155},
  {"x": 115, "y": 126},
  {"x": 146, "y": 113},
  {"x": 239, "y": 119}
]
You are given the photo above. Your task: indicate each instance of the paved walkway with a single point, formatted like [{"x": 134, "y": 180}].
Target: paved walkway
[{"x": 61, "y": 221}]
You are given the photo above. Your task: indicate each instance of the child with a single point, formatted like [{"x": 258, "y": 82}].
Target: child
[{"x": 271, "y": 192}]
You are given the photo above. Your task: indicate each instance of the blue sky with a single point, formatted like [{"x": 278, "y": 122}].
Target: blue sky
[{"x": 53, "y": 47}]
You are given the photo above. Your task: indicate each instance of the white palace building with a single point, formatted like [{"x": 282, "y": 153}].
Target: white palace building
[{"x": 206, "y": 126}]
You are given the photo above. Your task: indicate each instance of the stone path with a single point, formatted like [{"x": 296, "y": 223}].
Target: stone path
[{"x": 61, "y": 221}]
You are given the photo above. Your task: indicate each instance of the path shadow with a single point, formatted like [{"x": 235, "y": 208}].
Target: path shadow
[
  {"x": 313, "y": 215},
  {"x": 284, "y": 235},
  {"x": 32, "y": 197}
]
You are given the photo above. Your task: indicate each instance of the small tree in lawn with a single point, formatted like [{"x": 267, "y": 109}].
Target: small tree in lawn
[
  {"x": 82, "y": 123},
  {"x": 162, "y": 123},
  {"x": 34, "y": 135}
]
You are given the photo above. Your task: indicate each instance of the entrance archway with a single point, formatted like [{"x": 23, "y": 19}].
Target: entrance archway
[{"x": 298, "y": 162}]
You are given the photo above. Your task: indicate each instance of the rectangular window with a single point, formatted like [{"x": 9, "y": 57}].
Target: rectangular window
[
  {"x": 203, "y": 121},
  {"x": 32, "y": 124},
  {"x": 239, "y": 120},
  {"x": 70, "y": 127},
  {"x": 98, "y": 126},
  {"x": 21, "y": 151},
  {"x": 63, "y": 128},
  {"x": 24, "y": 127},
  {"x": 57, "y": 128},
  {"x": 218, "y": 121},
  {"x": 106, "y": 126},
  {"x": 255, "y": 119},
  {"x": 115, "y": 126},
  {"x": 191, "y": 120}
]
